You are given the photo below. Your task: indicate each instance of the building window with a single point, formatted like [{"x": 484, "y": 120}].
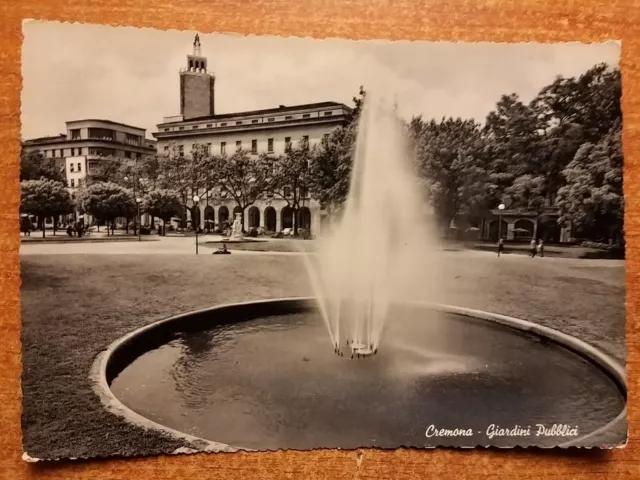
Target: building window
[
  {"x": 127, "y": 154},
  {"x": 270, "y": 145},
  {"x": 207, "y": 149},
  {"x": 138, "y": 155},
  {"x": 79, "y": 182},
  {"x": 254, "y": 146},
  {"x": 304, "y": 192},
  {"x": 305, "y": 138},
  {"x": 223, "y": 148},
  {"x": 288, "y": 117},
  {"x": 239, "y": 123},
  {"x": 72, "y": 167},
  {"x": 287, "y": 192},
  {"x": 209, "y": 125},
  {"x": 223, "y": 124},
  {"x": 79, "y": 167},
  {"x": 180, "y": 128},
  {"x": 166, "y": 149},
  {"x": 167, "y": 129},
  {"x": 73, "y": 182},
  {"x": 194, "y": 127},
  {"x": 181, "y": 150},
  {"x": 75, "y": 134},
  {"x": 326, "y": 137},
  {"x": 306, "y": 115},
  {"x": 254, "y": 121},
  {"x": 287, "y": 142},
  {"x": 271, "y": 119},
  {"x": 238, "y": 145},
  {"x": 328, "y": 114}
]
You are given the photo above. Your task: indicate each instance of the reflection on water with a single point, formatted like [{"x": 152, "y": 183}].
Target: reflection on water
[{"x": 276, "y": 383}]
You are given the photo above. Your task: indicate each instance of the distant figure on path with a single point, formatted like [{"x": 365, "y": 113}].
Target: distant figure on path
[
  {"x": 500, "y": 246},
  {"x": 541, "y": 248},
  {"x": 222, "y": 251},
  {"x": 534, "y": 248},
  {"x": 25, "y": 226}
]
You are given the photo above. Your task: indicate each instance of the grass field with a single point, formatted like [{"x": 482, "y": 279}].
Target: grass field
[{"x": 74, "y": 306}]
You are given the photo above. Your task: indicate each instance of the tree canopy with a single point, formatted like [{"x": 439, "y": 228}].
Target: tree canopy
[
  {"x": 34, "y": 166},
  {"x": 45, "y": 198},
  {"x": 107, "y": 201}
]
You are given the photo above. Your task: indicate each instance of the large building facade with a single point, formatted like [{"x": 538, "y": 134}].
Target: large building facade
[
  {"x": 88, "y": 142},
  {"x": 267, "y": 131}
]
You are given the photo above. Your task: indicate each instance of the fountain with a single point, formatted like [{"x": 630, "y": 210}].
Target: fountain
[
  {"x": 383, "y": 230},
  {"x": 258, "y": 374}
]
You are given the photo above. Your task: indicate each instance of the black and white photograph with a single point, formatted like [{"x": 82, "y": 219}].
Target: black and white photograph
[{"x": 269, "y": 243}]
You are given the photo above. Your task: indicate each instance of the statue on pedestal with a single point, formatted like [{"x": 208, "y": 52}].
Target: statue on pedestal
[{"x": 236, "y": 228}]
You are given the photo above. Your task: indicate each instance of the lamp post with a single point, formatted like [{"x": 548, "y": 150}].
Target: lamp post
[
  {"x": 500, "y": 208},
  {"x": 126, "y": 228},
  {"x": 138, "y": 202},
  {"x": 196, "y": 199}
]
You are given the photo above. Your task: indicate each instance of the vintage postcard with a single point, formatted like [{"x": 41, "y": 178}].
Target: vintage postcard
[{"x": 261, "y": 243}]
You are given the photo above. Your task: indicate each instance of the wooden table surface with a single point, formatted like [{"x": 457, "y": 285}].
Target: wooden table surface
[{"x": 470, "y": 20}]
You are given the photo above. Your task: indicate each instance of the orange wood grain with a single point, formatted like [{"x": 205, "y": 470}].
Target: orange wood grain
[{"x": 471, "y": 20}]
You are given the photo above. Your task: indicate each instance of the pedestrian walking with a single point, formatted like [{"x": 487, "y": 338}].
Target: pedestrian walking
[
  {"x": 534, "y": 247},
  {"x": 500, "y": 246},
  {"x": 541, "y": 248}
]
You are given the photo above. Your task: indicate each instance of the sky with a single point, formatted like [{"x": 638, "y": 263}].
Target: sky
[{"x": 130, "y": 75}]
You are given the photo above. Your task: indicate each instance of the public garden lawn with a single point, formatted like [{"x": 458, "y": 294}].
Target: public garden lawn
[{"x": 74, "y": 306}]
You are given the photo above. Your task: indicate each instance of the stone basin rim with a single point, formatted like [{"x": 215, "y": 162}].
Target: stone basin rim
[{"x": 101, "y": 384}]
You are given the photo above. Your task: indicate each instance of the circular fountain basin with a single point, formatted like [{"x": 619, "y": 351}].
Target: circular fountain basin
[{"x": 265, "y": 376}]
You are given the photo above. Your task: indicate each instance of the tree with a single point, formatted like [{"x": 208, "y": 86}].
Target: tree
[
  {"x": 358, "y": 101},
  {"x": 45, "y": 198},
  {"x": 511, "y": 138},
  {"x": 107, "y": 201},
  {"x": 330, "y": 168},
  {"x": 107, "y": 169},
  {"x": 592, "y": 200},
  {"x": 187, "y": 175},
  {"x": 331, "y": 163},
  {"x": 528, "y": 192},
  {"x": 242, "y": 176},
  {"x": 450, "y": 160},
  {"x": 291, "y": 177},
  {"x": 34, "y": 166},
  {"x": 163, "y": 204},
  {"x": 571, "y": 112}
]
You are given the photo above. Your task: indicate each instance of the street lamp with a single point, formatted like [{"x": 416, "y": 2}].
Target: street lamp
[
  {"x": 138, "y": 202},
  {"x": 196, "y": 199},
  {"x": 500, "y": 208}
]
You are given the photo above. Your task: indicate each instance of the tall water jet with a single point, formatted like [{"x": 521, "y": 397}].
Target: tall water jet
[{"x": 382, "y": 232}]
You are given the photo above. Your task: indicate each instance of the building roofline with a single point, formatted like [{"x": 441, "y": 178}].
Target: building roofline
[
  {"x": 282, "y": 109},
  {"x": 64, "y": 140},
  {"x": 111, "y": 122},
  {"x": 232, "y": 129},
  {"x": 46, "y": 139}
]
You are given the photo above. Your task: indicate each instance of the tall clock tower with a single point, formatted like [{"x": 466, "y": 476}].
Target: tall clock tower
[{"x": 197, "y": 86}]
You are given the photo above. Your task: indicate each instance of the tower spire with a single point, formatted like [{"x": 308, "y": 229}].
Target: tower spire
[{"x": 196, "y": 45}]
